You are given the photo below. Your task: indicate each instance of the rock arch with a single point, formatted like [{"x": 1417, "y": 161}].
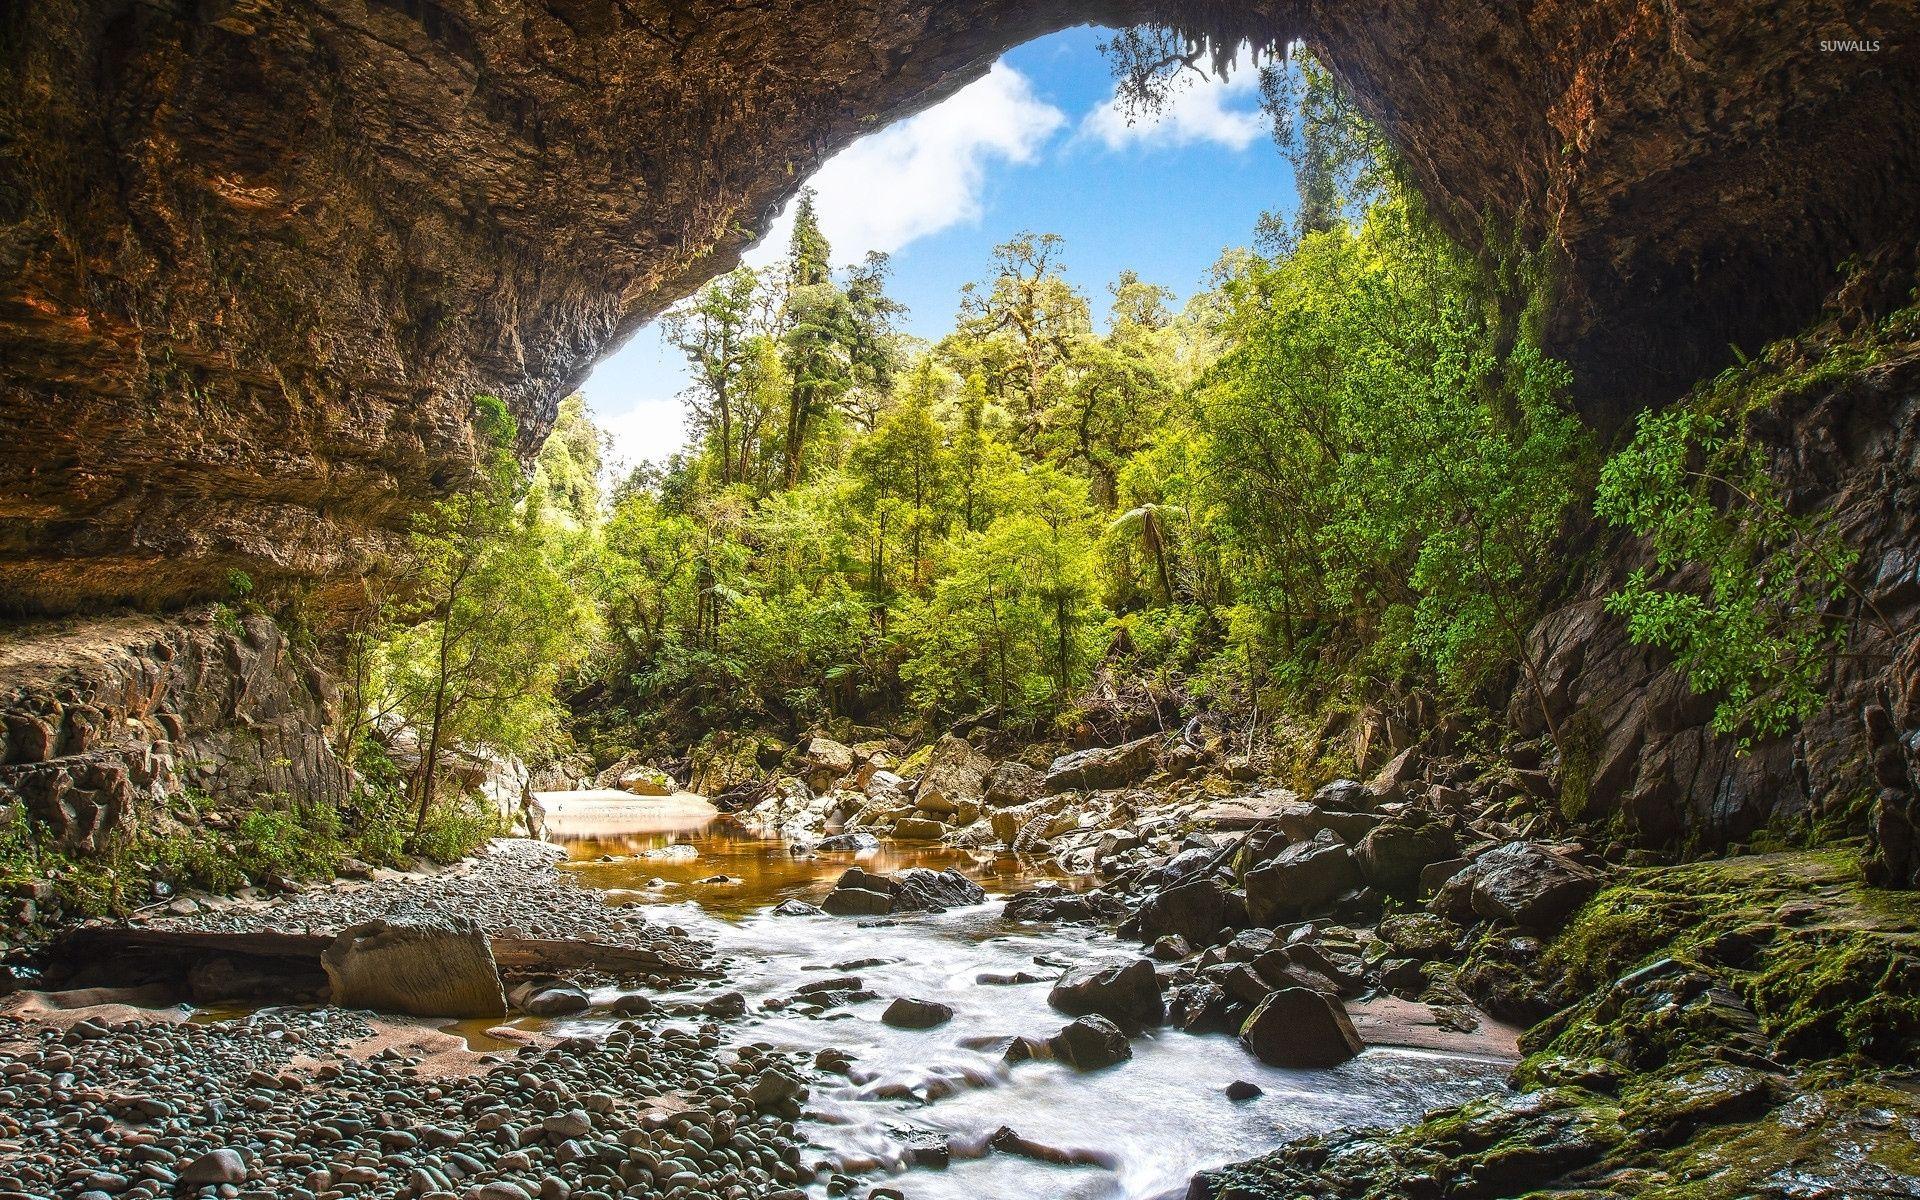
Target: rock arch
[{"x": 257, "y": 255}]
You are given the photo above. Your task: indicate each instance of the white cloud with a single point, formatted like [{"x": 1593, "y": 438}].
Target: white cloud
[
  {"x": 925, "y": 174},
  {"x": 1224, "y": 111},
  {"x": 647, "y": 431}
]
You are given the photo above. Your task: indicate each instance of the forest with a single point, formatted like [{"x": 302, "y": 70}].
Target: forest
[{"x": 1344, "y": 471}]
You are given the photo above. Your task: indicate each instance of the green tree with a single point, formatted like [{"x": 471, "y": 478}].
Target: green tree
[
  {"x": 716, "y": 334},
  {"x": 493, "y": 624}
]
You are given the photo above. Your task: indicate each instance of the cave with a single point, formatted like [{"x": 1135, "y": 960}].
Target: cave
[{"x": 259, "y": 258}]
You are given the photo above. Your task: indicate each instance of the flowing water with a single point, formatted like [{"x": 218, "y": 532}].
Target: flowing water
[{"x": 1136, "y": 1131}]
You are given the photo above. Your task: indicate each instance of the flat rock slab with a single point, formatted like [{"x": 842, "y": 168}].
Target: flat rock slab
[{"x": 1390, "y": 1021}]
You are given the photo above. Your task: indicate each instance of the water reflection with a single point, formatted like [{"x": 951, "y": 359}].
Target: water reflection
[
  {"x": 732, "y": 872},
  {"x": 1151, "y": 1122}
]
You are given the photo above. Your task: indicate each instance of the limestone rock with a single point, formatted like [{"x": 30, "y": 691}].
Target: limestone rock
[
  {"x": 1102, "y": 767},
  {"x": 438, "y": 968}
]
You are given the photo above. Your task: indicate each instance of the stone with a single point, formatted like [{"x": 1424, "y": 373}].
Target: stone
[
  {"x": 1345, "y": 795},
  {"x": 1390, "y": 782},
  {"x": 916, "y": 889},
  {"x": 1125, "y": 992},
  {"x": 1298, "y": 1027},
  {"x": 825, "y": 762},
  {"x": 954, "y": 779},
  {"x": 1197, "y": 911},
  {"x": 1011, "y": 784},
  {"x": 425, "y": 968},
  {"x": 908, "y": 1013},
  {"x": 1393, "y": 855},
  {"x": 647, "y": 781},
  {"x": 1522, "y": 883},
  {"x": 221, "y": 1166},
  {"x": 919, "y": 829},
  {"x": 1102, "y": 767},
  {"x": 1301, "y": 879},
  {"x": 1300, "y": 820},
  {"x": 1240, "y": 1091},
  {"x": 1420, "y": 935},
  {"x": 795, "y": 908},
  {"x": 1090, "y": 1043},
  {"x": 549, "y": 998},
  {"x": 1202, "y": 1006}
]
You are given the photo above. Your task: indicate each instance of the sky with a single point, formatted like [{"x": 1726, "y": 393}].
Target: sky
[{"x": 1037, "y": 145}]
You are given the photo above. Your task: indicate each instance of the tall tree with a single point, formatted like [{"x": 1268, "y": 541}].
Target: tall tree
[{"x": 715, "y": 332}]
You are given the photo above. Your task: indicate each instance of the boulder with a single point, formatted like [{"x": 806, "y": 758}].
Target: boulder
[
  {"x": 955, "y": 778},
  {"x": 1301, "y": 879},
  {"x": 647, "y": 781},
  {"x": 1523, "y": 883},
  {"x": 887, "y": 790},
  {"x": 825, "y": 762},
  {"x": 549, "y": 998},
  {"x": 1345, "y": 795},
  {"x": 1298, "y": 1027},
  {"x": 1126, "y": 992},
  {"x": 1051, "y": 902},
  {"x": 917, "y": 889},
  {"x": 1391, "y": 781},
  {"x": 1202, "y": 1006},
  {"x": 215, "y": 1167},
  {"x": 1102, "y": 767},
  {"x": 919, "y": 829},
  {"x": 441, "y": 967},
  {"x": 1090, "y": 1043},
  {"x": 1300, "y": 820},
  {"x": 1199, "y": 910},
  {"x": 1013, "y": 783},
  {"x": 1421, "y": 936},
  {"x": 908, "y": 1013},
  {"x": 1392, "y": 857},
  {"x": 847, "y": 842}
]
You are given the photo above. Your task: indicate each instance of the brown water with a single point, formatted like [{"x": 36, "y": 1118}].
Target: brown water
[{"x": 1144, "y": 1127}]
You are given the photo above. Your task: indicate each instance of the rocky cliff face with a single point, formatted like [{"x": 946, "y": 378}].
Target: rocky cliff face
[
  {"x": 100, "y": 717},
  {"x": 1640, "y": 746},
  {"x": 258, "y": 257}
]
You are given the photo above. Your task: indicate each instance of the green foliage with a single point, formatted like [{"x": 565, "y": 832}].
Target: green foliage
[{"x": 1741, "y": 586}]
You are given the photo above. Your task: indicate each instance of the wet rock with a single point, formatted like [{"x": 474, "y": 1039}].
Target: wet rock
[
  {"x": 1013, "y": 783},
  {"x": 1203, "y": 1007},
  {"x": 1090, "y": 1043},
  {"x": 1051, "y": 902},
  {"x": 1299, "y": 820},
  {"x": 795, "y": 908},
  {"x": 1240, "y": 1091},
  {"x": 1171, "y": 948},
  {"x": 1198, "y": 911},
  {"x": 1301, "y": 879},
  {"x": 549, "y": 998},
  {"x": 1297, "y": 1027},
  {"x": 1522, "y": 883},
  {"x": 907, "y": 1012},
  {"x": 1102, "y": 767},
  {"x": 917, "y": 889},
  {"x": 440, "y": 967},
  {"x": 842, "y": 842},
  {"x": 1393, "y": 855},
  {"x": 1125, "y": 992}
]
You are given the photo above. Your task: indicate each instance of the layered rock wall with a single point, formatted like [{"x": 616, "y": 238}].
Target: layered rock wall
[
  {"x": 1640, "y": 742},
  {"x": 258, "y": 257},
  {"x": 101, "y": 717}
]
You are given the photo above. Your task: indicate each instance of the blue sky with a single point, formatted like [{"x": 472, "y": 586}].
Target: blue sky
[{"x": 1035, "y": 145}]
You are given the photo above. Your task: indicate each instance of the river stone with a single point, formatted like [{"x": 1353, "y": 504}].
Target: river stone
[
  {"x": 1299, "y": 1027},
  {"x": 907, "y": 1012},
  {"x": 1102, "y": 767},
  {"x": 1089, "y": 1043},
  {"x": 1521, "y": 882},
  {"x": 1197, "y": 911},
  {"x": 1012, "y": 784},
  {"x": 429, "y": 967},
  {"x": 1301, "y": 879},
  {"x": 1125, "y": 992},
  {"x": 549, "y": 998},
  {"x": 1394, "y": 854},
  {"x": 221, "y": 1166},
  {"x": 954, "y": 780},
  {"x": 1345, "y": 795},
  {"x": 826, "y": 762},
  {"x": 919, "y": 829}
]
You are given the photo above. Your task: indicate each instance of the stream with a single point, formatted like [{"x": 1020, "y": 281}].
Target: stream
[{"x": 1141, "y": 1128}]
